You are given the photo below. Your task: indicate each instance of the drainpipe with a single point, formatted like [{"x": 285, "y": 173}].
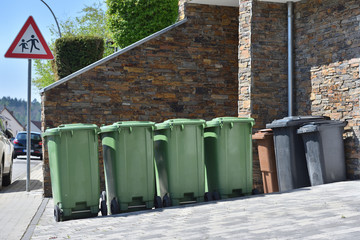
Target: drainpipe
[{"x": 290, "y": 58}]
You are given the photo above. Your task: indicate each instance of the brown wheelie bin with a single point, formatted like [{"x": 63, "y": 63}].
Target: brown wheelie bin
[{"x": 265, "y": 142}]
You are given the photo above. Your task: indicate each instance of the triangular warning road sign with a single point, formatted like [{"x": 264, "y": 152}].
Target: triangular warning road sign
[{"x": 29, "y": 43}]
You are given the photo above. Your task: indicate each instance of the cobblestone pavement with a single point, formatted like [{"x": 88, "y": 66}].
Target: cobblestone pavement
[
  {"x": 330, "y": 211},
  {"x": 18, "y": 207}
]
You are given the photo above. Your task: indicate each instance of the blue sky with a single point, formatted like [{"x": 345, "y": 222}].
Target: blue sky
[{"x": 13, "y": 15}]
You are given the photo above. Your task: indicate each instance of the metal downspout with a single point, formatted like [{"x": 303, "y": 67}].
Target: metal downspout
[{"x": 290, "y": 58}]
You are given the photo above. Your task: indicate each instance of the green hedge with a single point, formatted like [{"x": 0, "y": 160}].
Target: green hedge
[
  {"x": 132, "y": 20},
  {"x": 75, "y": 53}
]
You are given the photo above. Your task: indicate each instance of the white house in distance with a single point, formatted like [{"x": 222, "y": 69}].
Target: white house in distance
[
  {"x": 11, "y": 122},
  {"x": 35, "y": 126}
]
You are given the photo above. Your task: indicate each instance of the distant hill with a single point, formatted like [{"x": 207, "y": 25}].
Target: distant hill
[{"x": 18, "y": 106}]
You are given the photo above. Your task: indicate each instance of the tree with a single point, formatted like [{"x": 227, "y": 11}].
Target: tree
[
  {"x": 132, "y": 20},
  {"x": 92, "y": 22}
]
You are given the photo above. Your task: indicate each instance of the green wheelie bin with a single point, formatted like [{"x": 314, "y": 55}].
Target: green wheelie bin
[
  {"x": 228, "y": 156},
  {"x": 179, "y": 155},
  {"x": 128, "y": 152},
  {"x": 74, "y": 170}
]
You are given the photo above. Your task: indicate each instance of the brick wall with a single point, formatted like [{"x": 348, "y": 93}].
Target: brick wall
[
  {"x": 327, "y": 41},
  {"x": 187, "y": 72}
]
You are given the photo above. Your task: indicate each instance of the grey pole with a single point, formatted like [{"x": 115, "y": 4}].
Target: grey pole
[
  {"x": 54, "y": 17},
  {"x": 28, "y": 140},
  {"x": 290, "y": 58}
]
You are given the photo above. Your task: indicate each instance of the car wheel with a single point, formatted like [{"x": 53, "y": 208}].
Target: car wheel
[
  {"x": 6, "y": 181},
  {"x": 41, "y": 157},
  {"x": 1, "y": 174}
]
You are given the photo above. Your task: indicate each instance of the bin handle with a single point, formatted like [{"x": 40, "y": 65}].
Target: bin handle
[
  {"x": 96, "y": 134},
  {"x": 182, "y": 127},
  {"x": 221, "y": 123},
  {"x": 130, "y": 129},
  {"x": 171, "y": 126},
  {"x": 231, "y": 125}
]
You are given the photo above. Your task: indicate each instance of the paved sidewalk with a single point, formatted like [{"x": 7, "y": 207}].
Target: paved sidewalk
[
  {"x": 330, "y": 211},
  {"x": 18, "y": 207}
]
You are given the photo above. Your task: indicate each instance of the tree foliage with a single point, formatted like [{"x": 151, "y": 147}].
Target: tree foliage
[
  {"x": 74, "y": 53},
  {"x": 91, "y": 22},
  {"x": 19, "y": 106},
  {"x": 132, "y": 20}
]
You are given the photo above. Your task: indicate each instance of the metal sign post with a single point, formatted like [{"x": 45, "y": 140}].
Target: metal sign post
[
  {"x": 28, "y": 141},
  {"x": 30, "y": 44}
]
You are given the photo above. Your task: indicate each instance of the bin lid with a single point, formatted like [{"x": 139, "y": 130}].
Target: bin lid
[
  {"x": 318, "y": 126},
  {"x": 221, "y": 120},
  {"x": 262, "y": 134},
  {"x": 126, "y": 124},
  {"x": 69, "y": 127},
  {"x": 178, "y": 122},
  {"x": 294, "y": 121}
]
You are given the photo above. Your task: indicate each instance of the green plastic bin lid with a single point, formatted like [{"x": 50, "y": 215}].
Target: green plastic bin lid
[
  {"x": 295, "y": 121},
  {"x": 126, "y": 124},
  {"x": 216, "y": 122},
  {"x": 178, "y": 122},
  {"x": 69, "y": 127}
]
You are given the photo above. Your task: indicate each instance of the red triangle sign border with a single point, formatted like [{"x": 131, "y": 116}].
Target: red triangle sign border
[{"x": 11, "y": 54}]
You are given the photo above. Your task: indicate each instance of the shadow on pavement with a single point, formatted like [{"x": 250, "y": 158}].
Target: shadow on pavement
[{"x": 20, "y": 186}]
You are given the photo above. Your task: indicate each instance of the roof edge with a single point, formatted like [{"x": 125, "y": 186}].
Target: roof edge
[{"x": 105, "y": 59}]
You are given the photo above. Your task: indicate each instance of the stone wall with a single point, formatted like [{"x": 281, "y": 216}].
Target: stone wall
[
  {"x": 262, "y": 66},
  {"x": 269, "y": 62},
  {"x": 327, "y": 41},
  {"x": 187, "y": 72},
  {"x": 245, "y": 77}
]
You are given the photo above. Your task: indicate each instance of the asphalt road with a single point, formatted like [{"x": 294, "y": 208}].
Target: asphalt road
[{"x": 19, "y": 166}]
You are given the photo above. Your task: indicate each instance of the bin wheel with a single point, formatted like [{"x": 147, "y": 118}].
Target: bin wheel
[
  {"x": 57, "y": 213},
  {"x": 158, "y": 202},
  {"x": 216, "y": 196},
  {"x": 103, "y": 208},
  {"x": 255, "y": 192},
  {"x": 115, "y": 209},
  {"x": 166, "y": 201},
  {"x": 207, "y": 197}
]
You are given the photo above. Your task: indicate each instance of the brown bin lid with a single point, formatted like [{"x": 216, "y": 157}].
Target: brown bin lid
[{"x": 262, "y": 134}]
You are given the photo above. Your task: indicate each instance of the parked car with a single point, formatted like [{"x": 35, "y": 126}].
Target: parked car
[
  {"x": 20, "y": 144},
  {"x": 6, "y": 155}
]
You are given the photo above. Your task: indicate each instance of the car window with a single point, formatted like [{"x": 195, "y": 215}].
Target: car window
[
  {"x": 35, "y": 137},
  {"x": 21, "y": 136}
]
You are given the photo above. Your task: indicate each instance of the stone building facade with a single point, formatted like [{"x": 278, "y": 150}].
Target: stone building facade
[
  {"x": 327, "y": 67},
  {"x": 226, "y": 61},
  {"x": 326, "y": 64},
  {"x": 186, "y": 71}
]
